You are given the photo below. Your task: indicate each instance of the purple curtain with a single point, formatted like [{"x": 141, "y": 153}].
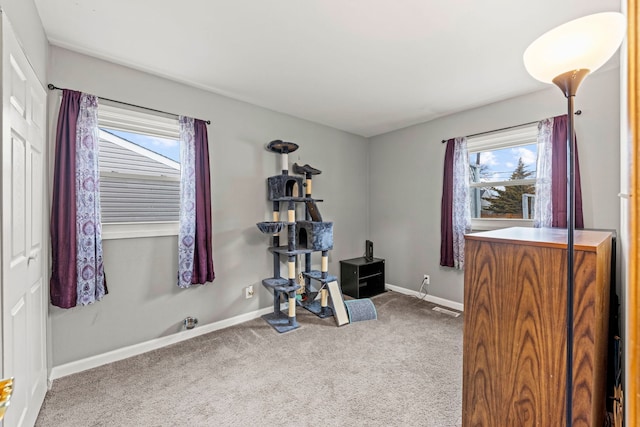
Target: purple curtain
[
  {"x": 203, "y": 257},
  {"x": 446, "y": 209},
  {"x": 62, "y": 285},
  {"x": 76, "y": 272},
  {"x": 559, "y": 176}
]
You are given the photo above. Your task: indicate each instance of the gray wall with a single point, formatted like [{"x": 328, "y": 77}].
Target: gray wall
[
  {"x": 390, "y": 185},
  {"x": 144, "y": 302},
  {"x": 406, "y": 176},
  {"x": 26, "y": 24}
]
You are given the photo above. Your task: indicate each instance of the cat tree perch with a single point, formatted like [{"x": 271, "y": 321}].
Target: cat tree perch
[{"x": 303, "y": 238}]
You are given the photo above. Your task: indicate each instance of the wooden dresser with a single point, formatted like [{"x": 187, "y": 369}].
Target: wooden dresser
[{"x": 514, "y": 361}]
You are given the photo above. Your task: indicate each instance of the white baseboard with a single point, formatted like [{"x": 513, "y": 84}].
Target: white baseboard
[
  {"x": 154, "y": 344},
  {"x": 436, "y": 300}
]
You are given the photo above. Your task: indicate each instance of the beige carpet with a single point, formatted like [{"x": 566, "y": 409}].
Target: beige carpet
[{"x": 403, "y": 369}]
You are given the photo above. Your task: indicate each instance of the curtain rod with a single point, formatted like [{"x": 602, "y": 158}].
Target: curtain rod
[
  {"x": 577, "y": 113},
  {"x": 52, "y": 87}
]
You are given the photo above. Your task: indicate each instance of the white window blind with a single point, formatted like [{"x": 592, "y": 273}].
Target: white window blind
[
  {"x": 133, "y": 120},
  {"x": 522, "y": 135}
]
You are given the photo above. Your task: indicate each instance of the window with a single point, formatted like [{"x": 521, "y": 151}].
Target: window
[
  {"x": 503, "y": 177},
  {"x": 139, "y": 173}
]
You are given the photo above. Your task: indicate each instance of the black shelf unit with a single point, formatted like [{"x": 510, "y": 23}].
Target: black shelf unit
[{"x": 360, "y": 278}]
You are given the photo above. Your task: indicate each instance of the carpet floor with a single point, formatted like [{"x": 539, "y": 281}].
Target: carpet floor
[{"x": 403, "y": 369}]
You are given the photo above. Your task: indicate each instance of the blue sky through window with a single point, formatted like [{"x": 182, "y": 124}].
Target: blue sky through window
[
  {"x": 500, "y": 164},
  {"x": 163, "y": 146}
]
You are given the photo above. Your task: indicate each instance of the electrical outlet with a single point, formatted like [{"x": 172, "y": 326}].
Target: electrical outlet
[
  {"x": 427, "y": 279},
  {"x": 248, "y": 292}
]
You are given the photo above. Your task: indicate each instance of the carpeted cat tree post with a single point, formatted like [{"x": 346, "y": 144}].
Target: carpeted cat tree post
[{"x": 303, "y": 238}]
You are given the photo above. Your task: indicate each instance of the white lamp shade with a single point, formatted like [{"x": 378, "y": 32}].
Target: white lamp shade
[{"x": 584, "y": 43}]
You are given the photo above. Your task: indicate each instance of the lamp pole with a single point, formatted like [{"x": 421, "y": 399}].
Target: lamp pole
[
  {"x": 581, "y": 46},
  {"x": 569, "y": 82}
]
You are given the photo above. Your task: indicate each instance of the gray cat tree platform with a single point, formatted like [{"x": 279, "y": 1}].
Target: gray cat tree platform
[{"x": 304, "y": 237}]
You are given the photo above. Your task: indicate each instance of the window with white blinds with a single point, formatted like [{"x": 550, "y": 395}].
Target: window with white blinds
[{"x": 139, "y": 172}]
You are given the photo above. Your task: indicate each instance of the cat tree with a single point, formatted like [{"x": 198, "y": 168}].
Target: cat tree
[{"x": 303, "y": 238}]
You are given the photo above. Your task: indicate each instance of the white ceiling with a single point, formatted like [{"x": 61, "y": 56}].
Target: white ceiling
[{"x": 363, "y": 66}]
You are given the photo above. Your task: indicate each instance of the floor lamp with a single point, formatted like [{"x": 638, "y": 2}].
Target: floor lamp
[{"x": 564, "y": 56}]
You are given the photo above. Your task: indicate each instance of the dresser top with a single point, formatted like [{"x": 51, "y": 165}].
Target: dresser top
[{"x": 584, "y": 240}]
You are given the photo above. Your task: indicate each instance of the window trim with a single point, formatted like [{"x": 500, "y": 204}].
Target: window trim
[
  {"x": 488, "y": 224},
  {"x": 130, "y": 230}
]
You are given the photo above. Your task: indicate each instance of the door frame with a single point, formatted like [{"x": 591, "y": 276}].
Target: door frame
[{"x": 632, "y": 392}]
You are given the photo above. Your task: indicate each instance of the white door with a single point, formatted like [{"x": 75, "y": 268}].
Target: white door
[{"x": 24, "y": 302}]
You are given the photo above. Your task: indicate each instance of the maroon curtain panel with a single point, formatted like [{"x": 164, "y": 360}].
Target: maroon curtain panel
[
  {"x": 446, "y": 209},
  {"x": 203, "y": 256},
  {"x": 62, "y": 285},
  {"x": 559, "y": 176}
]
